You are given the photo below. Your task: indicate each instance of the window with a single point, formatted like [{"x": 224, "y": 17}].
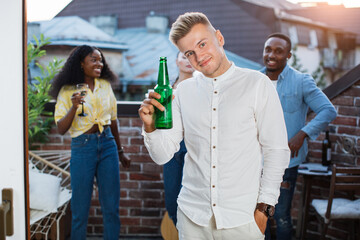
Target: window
[
  {"x": 293, "y": 35},
  {"x": 313, "y": 39}
]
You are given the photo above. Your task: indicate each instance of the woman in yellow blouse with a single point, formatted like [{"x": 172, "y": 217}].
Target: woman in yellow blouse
[{"x": 95, "y": 145}]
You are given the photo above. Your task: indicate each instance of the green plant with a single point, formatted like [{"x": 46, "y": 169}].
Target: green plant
[
  {"x": 39, "y": 120},
  {"x": 319, "y": 76}
]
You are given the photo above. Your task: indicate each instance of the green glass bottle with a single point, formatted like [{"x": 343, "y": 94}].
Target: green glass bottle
[{"x": 163, "y": 119}]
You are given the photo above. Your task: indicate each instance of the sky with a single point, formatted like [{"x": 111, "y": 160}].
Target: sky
[
  {"x": 347, "y": 3},
  {"x": 44, "y": 9},
  {"x": 47, "y": 9}
]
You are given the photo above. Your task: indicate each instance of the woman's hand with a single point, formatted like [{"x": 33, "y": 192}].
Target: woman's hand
[
  {"x": 77, "y": 99},
  {"x": 64, "y": 124},
  {"x": 125, "y": 161}
]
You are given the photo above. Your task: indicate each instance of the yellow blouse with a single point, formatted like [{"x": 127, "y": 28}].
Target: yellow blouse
[{"x": 100, "y": 105}]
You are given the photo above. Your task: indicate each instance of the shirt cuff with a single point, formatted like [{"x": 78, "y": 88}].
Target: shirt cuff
[
  {"x": 150, "y": 135},
  {"x": 267, "y": 200},
  {"x": 307, "y": 129}
]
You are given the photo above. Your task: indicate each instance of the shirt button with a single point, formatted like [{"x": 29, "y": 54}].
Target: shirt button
[
  {"x": 214, "y": 147},
  {"x": 214, "y": 204},
  {"x": 215, "y": 92},
  {"x": 214, "y": 109},
  {"x": 213, "y": 186},
  {"x": 214, "y": 127},
  {"x": 213, "y": 166},
  {"x": 215, "y": 79}
]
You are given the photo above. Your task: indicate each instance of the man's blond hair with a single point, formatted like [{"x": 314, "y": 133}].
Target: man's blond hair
[{"x": 184, "y": 23}]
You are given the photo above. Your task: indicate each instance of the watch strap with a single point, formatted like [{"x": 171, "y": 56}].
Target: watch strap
[{"x": 267, "y": 209}]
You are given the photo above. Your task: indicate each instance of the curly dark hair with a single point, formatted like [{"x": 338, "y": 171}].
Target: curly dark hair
[{"x": 71, "y": 73}]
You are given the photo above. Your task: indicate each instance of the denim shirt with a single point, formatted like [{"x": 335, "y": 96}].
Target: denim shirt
[{"x": 297, "y": 92}]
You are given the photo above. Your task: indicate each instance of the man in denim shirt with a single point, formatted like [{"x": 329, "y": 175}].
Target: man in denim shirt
[{"x": 297, "y": 92}]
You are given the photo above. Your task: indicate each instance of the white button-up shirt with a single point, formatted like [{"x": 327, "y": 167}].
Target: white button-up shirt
[{"x": 235, "y": 134}]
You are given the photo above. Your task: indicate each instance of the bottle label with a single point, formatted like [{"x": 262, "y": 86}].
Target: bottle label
[{"x": 328, "y": 155}]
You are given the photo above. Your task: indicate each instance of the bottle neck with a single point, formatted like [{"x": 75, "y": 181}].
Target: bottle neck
[
  {"x": 327, "y": 135},
  {"x": 163, "y": 77}
]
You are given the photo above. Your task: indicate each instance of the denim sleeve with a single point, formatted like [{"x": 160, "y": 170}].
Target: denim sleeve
[{"x": 320, "y": 104}]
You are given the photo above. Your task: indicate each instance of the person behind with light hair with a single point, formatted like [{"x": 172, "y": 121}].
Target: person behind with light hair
[
  {"x": 233, "y": 126},
  {"x": 173, "y": 170}
]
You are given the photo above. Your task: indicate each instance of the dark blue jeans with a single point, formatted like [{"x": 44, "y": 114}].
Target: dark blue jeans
[
  {"x": 173, "y": 172},
  {"x": 95, "y": 155},
  {"x": 282, "y": 215}
]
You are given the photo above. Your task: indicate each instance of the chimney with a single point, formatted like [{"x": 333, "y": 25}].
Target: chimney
[
  {"x": 156, "y": 23},
  {"x": 107, "y": 23}
]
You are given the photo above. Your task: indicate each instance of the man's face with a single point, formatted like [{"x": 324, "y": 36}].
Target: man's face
[
  {"x": 203, "y": 47},
  {"x": 275, "y": 55}
]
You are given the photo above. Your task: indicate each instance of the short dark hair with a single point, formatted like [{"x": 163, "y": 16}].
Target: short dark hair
[{"x": 282, "y": 36}]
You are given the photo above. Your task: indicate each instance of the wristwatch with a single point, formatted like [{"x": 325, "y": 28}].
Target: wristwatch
[
  {"x": 121, "y": 150},
  {"x": 267, "y": 209}
]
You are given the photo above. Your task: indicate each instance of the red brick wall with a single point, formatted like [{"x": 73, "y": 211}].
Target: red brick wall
[
  {"x": 142, "y": 196},
  {"x": 346, "y": 124}
]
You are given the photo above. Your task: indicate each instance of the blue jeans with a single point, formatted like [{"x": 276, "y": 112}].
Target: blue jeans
[
  {"x": 95, "y": 155},
  {"x": 282, "y": 215},
  {"x": 173, "y": 171}
]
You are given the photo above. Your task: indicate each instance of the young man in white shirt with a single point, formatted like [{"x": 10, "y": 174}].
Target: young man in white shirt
[{"x": 233, "y": 126}]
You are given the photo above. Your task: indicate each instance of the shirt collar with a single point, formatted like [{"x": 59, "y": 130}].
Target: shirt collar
[
  {"x": 223, "y": 76},
  {"x": 97, "y": 84},
  {"x": 281, "y": 75},
  {"x": 284, "y": 72}
]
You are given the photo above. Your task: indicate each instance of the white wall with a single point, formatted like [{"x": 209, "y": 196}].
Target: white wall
[
  {"x": 11, "y": 107},
  {"x": 357, "y": 56},
  {"x": 309, "y": 58}
]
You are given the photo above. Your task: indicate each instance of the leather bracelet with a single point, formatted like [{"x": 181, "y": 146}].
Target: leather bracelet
[
  {"x": 268, "y": 210},
  {"x": 121, "y": 150}
]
